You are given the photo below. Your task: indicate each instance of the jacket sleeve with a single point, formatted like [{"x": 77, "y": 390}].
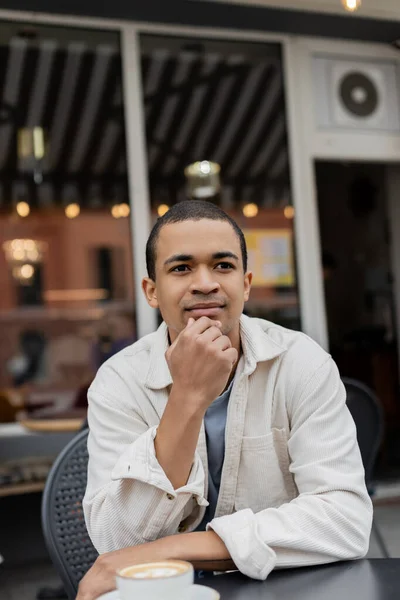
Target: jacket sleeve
[
  {"x": 331, "y": 517},
  {"x": 129, "y": 500}
]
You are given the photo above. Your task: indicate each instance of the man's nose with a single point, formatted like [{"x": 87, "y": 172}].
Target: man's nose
[{"x": 204, "y": 282}]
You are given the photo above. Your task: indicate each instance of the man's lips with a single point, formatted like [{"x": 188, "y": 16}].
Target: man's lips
[
  {"x": 205, "y": 305},
  {"x": 205, "y": 309}
]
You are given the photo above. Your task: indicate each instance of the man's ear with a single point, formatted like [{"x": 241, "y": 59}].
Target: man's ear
[
  {"x": 150, "y": 291},
  {"x": 247, "y": 285}
]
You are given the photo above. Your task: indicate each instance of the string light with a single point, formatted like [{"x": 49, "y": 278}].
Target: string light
[
  {"x": 250, "y": 210},
  {"x": 162, "y": 209},
  {"x": 288, "y": 211},
  {"x": 72, "y": 210},
  {"x": 23, "y": 209},
  {"x": 115, "y": 211},
  {"x": 124, "y": 210},
  {"x": 119, "y": 211}
]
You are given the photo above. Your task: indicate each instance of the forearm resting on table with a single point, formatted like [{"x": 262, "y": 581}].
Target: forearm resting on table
[
  {"x": 176, "y": 439},
  {"x": 204, "y": 549}
]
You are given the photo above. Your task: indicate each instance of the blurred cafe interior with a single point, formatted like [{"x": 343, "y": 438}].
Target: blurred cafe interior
[
  {"x": 68, "y": 291},
  {"x": 103, "y": 128}
]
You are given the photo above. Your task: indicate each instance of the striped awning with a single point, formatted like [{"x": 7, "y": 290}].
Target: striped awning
[{"x": 199, "y": 103}]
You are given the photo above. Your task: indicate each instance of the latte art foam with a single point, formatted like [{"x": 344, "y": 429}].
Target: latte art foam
[
  {"x": 155, "y": 573},
  {"x": 156, "y": 570}
]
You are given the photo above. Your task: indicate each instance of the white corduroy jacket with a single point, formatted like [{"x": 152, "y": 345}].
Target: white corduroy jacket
[{"x": 292, "y": 489}]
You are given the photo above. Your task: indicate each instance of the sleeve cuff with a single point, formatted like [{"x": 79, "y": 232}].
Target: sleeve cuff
[
  {"x": 139, "y": 462},
  {"x": 239, "y": 533}
]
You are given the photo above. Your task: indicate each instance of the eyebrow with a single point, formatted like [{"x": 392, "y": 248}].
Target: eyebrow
[
  {"x": 189, "y": 257},
  {"x": 225, "y": 254},
  {"x": 178, "y": 258}
]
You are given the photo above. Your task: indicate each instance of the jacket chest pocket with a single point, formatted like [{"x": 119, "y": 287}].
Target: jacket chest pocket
[{"x": 264, "y": 479}]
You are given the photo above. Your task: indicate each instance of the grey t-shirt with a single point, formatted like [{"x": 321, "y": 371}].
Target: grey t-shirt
[{"x": 214, "y": 424}]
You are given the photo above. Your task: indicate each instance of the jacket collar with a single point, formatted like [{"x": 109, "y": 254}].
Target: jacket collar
[{"x": 257, "y": 346}]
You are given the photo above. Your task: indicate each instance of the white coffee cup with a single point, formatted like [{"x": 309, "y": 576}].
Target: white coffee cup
[{"x": 164, "y": 580}]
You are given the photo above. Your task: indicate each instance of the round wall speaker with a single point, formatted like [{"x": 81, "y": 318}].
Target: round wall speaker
[{"x": 358, "y": 94}]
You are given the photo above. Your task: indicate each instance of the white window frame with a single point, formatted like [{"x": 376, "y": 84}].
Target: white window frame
[{"x": 343, "y": 146}]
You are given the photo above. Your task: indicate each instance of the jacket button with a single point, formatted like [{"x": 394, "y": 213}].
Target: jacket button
[{"x": 170, "y": 497}]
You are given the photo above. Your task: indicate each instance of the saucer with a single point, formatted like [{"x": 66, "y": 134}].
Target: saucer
[{"x": 198, "y": 592}]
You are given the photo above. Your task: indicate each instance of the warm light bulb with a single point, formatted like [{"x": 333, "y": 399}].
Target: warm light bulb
[
  {"x": 250, "y": 210},
  {"x": 115, "y": 211},
  {"x": 72, "y": 210},
  {"x": 288, "y": 211},
  {"x": 29, "y": 244},
  {"x": 27, "y": 271},
  {"x": 18, "y": 254},
  {"x": 162, "y": 209},
  {"x": 33, "y": 255},
  {"x": 23, "y": 209},
  {"x": 124, "y": 210},
  {"x": 351, "y": 5}
]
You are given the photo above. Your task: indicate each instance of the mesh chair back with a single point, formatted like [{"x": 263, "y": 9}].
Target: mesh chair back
[
  {"x": 367, "y": 414},
  {"x": 64, "y": 529}
]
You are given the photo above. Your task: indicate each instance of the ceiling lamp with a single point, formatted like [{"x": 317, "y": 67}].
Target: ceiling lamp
[
  {"x": 203, "y": 179},
  {"x": 72, "y": 210},
  {"x": 31, "y": 148},
  {"x": 23, "y": 209},
  {"x": 351, "y": 5},
  {"x": 250, "y": 210},
  {"x": 162, "y": 209}
]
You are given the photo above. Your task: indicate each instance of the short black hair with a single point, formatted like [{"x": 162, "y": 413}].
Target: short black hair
[{"x": 190, "y": 210}]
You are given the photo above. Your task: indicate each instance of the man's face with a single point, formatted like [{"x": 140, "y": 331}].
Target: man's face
[{"x": 199, "y": 272}]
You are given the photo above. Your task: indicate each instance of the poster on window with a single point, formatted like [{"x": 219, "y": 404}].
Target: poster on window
[{"x": 270, "y": 255}]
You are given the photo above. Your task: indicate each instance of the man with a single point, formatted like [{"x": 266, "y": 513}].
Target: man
[{"x": 220, "y": 422}]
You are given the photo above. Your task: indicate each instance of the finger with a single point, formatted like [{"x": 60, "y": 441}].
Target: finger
[
  {"x": 222, "y": 343},
  {"x": 191, "y": 324},
  {"x": 210, "y": 334},
  {"x": 202, "y": 324},
  {"x": 232, "y": 353}
]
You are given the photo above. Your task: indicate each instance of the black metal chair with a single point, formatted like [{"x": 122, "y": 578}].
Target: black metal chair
[
  {"x": 368, "y": 417},
  {"x": 63, "y": 523}
]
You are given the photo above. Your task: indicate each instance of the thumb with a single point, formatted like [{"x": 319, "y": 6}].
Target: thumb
[{"x": 190, "y": 322}]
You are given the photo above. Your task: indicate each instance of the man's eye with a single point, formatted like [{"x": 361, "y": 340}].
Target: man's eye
[
  {"x": 179, "y": 269},
  {"x": 225, "y": 265}
]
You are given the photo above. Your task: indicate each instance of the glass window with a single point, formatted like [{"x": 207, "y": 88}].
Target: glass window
[
  {"x": 66, "y": 273},
  {"x": 223, "y": 102}
]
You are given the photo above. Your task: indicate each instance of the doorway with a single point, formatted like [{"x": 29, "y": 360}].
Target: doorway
[{"x": 358, "y": 232}]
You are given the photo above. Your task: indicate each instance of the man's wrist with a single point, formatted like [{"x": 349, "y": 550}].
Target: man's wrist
[
  {"x": 190, "y": 404},
  {"x": 198, "y": 546},
  {"x": 165, "y": 548}
]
